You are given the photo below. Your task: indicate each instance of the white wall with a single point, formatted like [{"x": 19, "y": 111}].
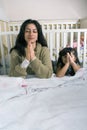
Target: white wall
[
  {"x": 44, "y": 9},
  {"x": 83, "y": 23},
  {"x": 3, "y": 16}
]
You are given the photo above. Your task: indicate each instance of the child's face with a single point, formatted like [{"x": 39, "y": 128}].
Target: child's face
[
  {"x": 64, "y": 59},
  {"x": 68, "y": 57}
]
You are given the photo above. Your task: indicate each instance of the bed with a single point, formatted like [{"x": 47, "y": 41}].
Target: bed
[{"x": 44, "y": 104}]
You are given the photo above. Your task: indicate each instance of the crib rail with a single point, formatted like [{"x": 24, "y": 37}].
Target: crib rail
[
  {"x": 56, "y": 39},
  {"x": 48, "y": 24}
]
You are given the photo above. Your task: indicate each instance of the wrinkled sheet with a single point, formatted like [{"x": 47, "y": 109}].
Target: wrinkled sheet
[{"x": 44, "y": 104}]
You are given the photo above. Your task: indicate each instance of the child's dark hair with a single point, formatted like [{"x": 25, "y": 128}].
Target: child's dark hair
[{"x": 64, "y": 52}]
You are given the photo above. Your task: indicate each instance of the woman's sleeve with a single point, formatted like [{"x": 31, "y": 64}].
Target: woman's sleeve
[
  {"x": 15, "y": 66},
  {"x": 42, "y": 67}
]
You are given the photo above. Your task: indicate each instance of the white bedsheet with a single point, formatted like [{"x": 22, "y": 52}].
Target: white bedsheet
[{"x": 44, "y": 104}]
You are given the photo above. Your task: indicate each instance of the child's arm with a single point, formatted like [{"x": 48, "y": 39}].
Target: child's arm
[
  {"x": 74, "y": 65},
  {"x": 61, "y": 71}
]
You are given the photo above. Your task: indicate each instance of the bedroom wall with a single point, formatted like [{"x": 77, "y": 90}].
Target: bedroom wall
[
  {"x": 3, "y": 16},
  {"x": 44, "y": 9},
  {"x": 83, "y": 23}
]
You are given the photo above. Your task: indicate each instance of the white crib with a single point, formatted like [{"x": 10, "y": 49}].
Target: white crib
[{"x": 58, "y": 35}]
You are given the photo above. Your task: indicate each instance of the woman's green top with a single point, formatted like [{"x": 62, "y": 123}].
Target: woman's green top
[{"x": 41, "y": 66}]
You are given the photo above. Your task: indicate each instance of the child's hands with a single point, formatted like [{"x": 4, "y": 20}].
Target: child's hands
[
  {"x": 71, "y": 58},
  {"x": 68, "y": 58}
]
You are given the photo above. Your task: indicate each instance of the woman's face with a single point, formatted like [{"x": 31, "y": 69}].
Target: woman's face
[{"x": 31, "y": 33}]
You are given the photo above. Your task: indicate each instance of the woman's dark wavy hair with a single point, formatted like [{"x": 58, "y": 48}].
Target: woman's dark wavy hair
[
  {"x": 63, "y": 52},
  {"x": 20, "y": 43}
]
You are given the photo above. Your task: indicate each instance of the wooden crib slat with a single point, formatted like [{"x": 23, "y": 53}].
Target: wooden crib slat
[
  {"x": 85, "y": 50},
  {"x": 2, "y": 56}
]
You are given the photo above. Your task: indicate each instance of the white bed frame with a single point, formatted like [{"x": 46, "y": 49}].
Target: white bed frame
[{"x": 57, "y": 33}]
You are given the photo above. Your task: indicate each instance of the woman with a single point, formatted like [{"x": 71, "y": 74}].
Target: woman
[
  {"x": 68, "y": 62},
  {"x": 30, "y": 55}
]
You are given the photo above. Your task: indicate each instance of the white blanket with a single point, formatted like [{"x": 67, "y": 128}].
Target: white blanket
[{"x": 44, "y": 104}]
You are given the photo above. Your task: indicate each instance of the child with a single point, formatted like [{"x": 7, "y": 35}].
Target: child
[{"x": 68, "y": 62}]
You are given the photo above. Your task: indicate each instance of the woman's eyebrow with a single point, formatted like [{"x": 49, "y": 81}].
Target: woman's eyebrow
[{"x": 30, "y": 28}]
